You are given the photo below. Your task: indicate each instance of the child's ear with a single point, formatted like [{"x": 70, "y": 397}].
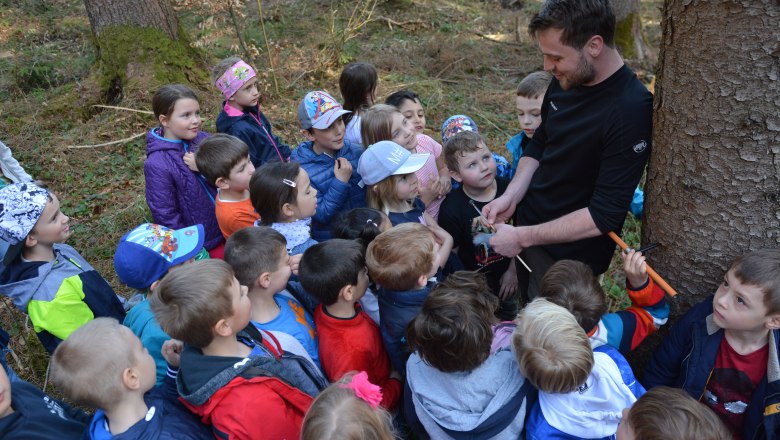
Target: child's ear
[
  {"x": 222, "y": 183},
  {"x": 30, "y": 241},
  {"x": 222, "y": 328},
  {"x": 264, "y": 280},
  {"x": 773, "y": 322},
  {"x": 163, "y": 120},
  {"x": 130, "y": 379},
  {"x": 456, "y": 175},
  {"x": 308, "y": 135},
  {"x": 347, "y": 292},
  {"x": 288, "y": 210},
  {"x": 422, "y": 280}
]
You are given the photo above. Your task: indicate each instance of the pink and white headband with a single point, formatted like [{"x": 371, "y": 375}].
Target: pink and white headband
[{"x": 234, "y": 78}]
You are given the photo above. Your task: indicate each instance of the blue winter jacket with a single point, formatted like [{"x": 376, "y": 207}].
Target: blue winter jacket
[
  {"x": 686, "y": 357},
  {"x": 263, "y": 145},
  {"x": 333, "y": 195},
  {"x": 167, "y": 419},
  {"x": 396, "y": 311}
]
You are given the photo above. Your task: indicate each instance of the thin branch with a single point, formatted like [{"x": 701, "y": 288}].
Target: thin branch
[
  {"x": 146, "y": 112},
  {"x": 508, "y": 43},
  {"x": 120, "y": 141},
  {"x": 390, "y": 22},
  {"x": 267, "y": 47},
  {"x": 444, "y": 69}
]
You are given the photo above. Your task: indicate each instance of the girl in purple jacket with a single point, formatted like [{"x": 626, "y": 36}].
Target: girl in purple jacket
[{"x": 177, "y": 196}]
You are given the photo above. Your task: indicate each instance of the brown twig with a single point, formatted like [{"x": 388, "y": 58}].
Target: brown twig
[
  {"x": 146, "y": 112},
  {"x": 75, "y": 147},
  {"x": 390, "y": 22},
  {"x": 508, "y": 43}
]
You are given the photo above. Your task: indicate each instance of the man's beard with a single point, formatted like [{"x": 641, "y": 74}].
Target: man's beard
[{"x": 583, "y": 74}]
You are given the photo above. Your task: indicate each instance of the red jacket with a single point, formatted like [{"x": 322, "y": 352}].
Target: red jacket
[{"x": 355, "y": 344}]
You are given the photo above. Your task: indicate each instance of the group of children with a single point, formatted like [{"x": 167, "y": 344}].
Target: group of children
[{"x": 347, "y": 289}]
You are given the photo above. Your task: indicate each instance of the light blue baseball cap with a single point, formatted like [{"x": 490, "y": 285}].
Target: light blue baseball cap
[{"x": 386, "y": 158}]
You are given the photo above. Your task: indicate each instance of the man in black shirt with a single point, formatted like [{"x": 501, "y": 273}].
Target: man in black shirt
[{"x": 575, "y": 180}]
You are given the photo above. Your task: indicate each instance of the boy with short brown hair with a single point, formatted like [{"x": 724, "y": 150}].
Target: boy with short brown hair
[{"x": 225, "y": 368}]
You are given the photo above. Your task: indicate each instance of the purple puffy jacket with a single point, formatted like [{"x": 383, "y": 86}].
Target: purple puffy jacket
[{"x": 176, "y": 196}]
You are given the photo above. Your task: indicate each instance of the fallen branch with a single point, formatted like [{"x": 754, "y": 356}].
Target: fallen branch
[
  {"x": 390, "y": 22},
  {"x": 120, "y": 141},
  {"x": 508, "y": 43},
  {"x": 146, "y": 112}
]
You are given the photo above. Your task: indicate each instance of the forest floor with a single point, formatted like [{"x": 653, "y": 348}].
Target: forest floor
[{"x": 460, "y": 56}]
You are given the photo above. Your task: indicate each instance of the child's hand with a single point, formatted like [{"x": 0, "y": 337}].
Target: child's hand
[
  {"x": 429, "y": 192},
  {"x": 635, "y": 268},
  {"x": 508, "y": 282},
  {"x": 342, "y": 169},
  {"x": 295, "y": 262},
  {"x": 171, "y": 352},
  {"x": 189, "y": 160},
  {"x": 445, "y": 183}
]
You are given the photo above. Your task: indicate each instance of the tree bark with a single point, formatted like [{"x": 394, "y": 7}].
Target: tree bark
[
  {"x": 628, "y": 33},
  {"x": 713, "y": 182},
  {"x": 156, "y": 14}
]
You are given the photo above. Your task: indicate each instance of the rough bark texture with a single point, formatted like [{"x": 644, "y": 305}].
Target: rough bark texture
[
  {"x": 713, "y": 182},
  {"x": 628, "y": 33},
  {"x": 156, "y": 14}
]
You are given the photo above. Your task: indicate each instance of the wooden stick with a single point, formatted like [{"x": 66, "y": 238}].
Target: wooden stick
[
  {"x": 653, "y": 274},
  {"x": 146, "y": 112},
  {"x": 74, "y": 147}
]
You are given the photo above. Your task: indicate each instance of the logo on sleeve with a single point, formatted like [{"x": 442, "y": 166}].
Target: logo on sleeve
[
  {"x": 640, "y": 147},
  {"x": 552, "y": 104}
]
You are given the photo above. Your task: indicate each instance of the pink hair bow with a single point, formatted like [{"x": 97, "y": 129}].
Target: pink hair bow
[{"x": 370, "y": 393}]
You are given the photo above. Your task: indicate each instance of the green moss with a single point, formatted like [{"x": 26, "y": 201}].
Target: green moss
[
  {"x": 150, "y": 53},
  {"x": 624, "y": 36}
]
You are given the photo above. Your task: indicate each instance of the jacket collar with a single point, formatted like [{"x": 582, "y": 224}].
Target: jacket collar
[{"x": 773, "y": 365}]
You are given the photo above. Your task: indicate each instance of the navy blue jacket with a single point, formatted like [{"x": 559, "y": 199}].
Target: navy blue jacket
[
  {"x": 38, "y": 416},
  {"x": 333, "y": 195},
  {"x": 258, "y": 137},
  {"x": 396, "y": 311},
  {"x": 167, "y": 419},
  {"x": 686, "y": 357}
]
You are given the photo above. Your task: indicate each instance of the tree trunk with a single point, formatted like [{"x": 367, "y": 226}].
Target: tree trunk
[
  {"x": 628, "y": 33},
  {"x": 140, "y": 46},
  {"x": 713, "y": 182}
]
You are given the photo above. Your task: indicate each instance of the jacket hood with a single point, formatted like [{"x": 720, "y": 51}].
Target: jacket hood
[
  {"x": 595, "y": 409},
  {"x": 21, "y": 281},
  {"x": 462, "y": 401},
  {"x": 156, "y": 142}
]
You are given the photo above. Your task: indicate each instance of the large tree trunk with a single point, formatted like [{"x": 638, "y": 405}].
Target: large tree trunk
[
  {"x": 628, "y": 34},
  {"x": 140, "y": 46},
  {"x": 713, "y": 183}
]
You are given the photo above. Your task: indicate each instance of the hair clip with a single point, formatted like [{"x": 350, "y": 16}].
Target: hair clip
[
  {"x": 365, "y": 390},
  {"x": 372, "y": 222},
  {"x": 288, "y": 182}
]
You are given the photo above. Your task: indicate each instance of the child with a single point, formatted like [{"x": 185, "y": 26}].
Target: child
[
  {"x": 241, "y": 115},
  {"x": 285, "y": 200},
  {"x": 103, "y": 365},
  {"x": 571, "y": 285},
  {"x": 358, "y": 83},
  {"x": 582, "y": 392},
  {"x": 224, "y": 161},
  {"x": 44, "y": 277},
  {"x": 10, "y": 172},
  {"x": 143, "y": 256},
  {"x": 472, "y": 165},
  {"x": 724, "y": 351},
  {"x": 177, "y": 196},
  {"x": 335, "y": 273},
  {"x": 224, "y": 370},
  {"x": 388, "y": 171},
  {"x": 348, "y": 409},
  {"x": 403, "y": 262},
  {"x": 364, "y": 225},
  {"x": 386, "y": 123},
  {"x": 329, "y": 160},
  {"x": 408, "y": 103},
  {"x": 528, "y": 102},
  {"x": 663, "y": 413},
  {"x": 261, "y": 262},
  {"x": 458, "y": 123},
  {"x": 459, "y": 379}
]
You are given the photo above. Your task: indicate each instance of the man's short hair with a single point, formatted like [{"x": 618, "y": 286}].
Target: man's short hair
[
  {"x": 663, "y": 413},
  {"x": 218, "y": 154},
  {"x": 761, "y": 268},
  {"x": 254, "y": 251},
  {"x": 534, "y": 85},
  {"x": 329, "y": 266},
  {"x": 458, "y": 145},
  {"x": 453, "y": 330},
  {"x": 192, "y": 298},
  {"x": 571, "y": 285},
  {"x": 578, "y": 19},
  {"x": 88, "y": 365},
  {"x": 553, "y": 352},
  {"x": 397, "y": 258}
]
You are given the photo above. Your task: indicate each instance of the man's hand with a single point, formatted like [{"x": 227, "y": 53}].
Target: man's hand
[
  {"x": 499, "y": 210},
  {"x": 505, "y": 240}
]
